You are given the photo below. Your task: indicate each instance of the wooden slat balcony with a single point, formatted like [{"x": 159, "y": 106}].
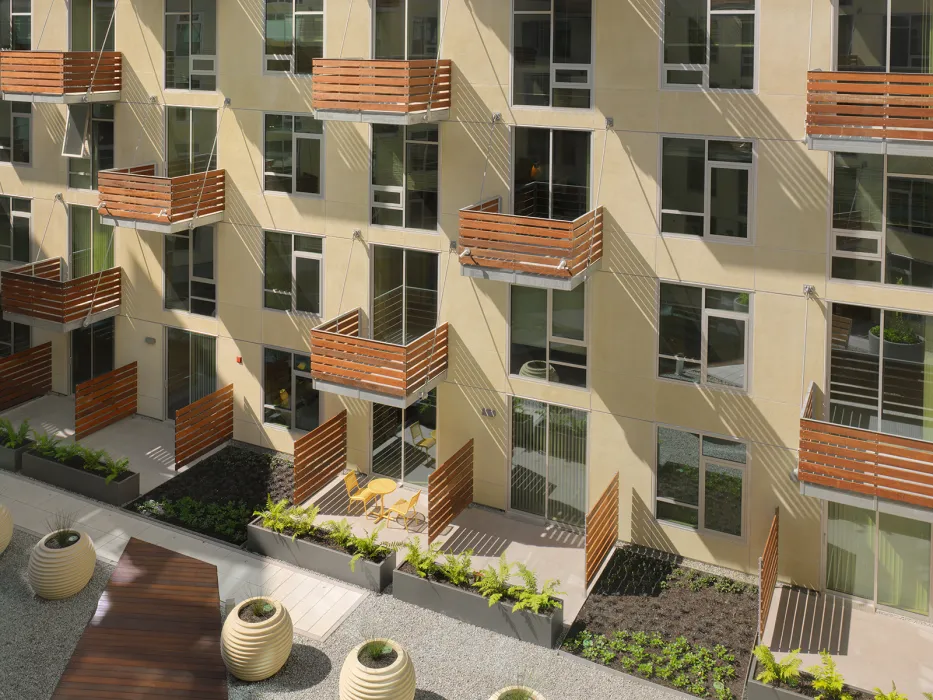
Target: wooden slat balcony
[
  {"x": 862, "y": 462},
  {"x": 343, "y": 362},
  {"x": 39, "y": 295},
  {"x": 381, "y": 92},
  {"x": 861, "y": 110},
  {"x": 138, "y": 198},
  {"x": 63, "y": 77},
  {"x": 528, "y": 250}
]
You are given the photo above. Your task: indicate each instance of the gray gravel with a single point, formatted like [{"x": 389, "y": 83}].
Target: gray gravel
[{"x": 37, "y": 637}]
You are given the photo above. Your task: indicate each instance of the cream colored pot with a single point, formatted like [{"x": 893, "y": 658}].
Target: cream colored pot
[
  {"x": 61, "y": 573},
  {"x": 395, "y": 682},
  {"x": 6, "y": 527},
  {"x": 534, "y": 694},
  {"x": 254, "y": 651}
]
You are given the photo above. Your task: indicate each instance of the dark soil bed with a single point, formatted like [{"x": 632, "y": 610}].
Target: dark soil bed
[
  {"x": 383, "y": 660},
  {"x": 247, "y": 614}
]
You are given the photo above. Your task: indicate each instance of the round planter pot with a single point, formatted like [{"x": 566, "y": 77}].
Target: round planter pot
[
  {"x": 906, "y": 352},
  {"x": 6, "y": 527},
  {"x": 254, "y": 651},
  {"x": 61, "y": 573},
  {"x": 538, "y": 369},
  {"x": 394, "y": 682},
  {"x": 534, "y": 694}
]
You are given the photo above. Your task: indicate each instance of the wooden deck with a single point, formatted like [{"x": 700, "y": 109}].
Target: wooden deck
[{"x": 155, "y": 635}]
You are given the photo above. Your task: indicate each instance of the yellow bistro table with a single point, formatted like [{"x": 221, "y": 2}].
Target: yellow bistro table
[{"x": 382, "y": 487}]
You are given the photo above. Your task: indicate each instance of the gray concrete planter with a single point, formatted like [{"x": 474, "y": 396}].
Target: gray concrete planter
[
  {"x": 541, "y": 629},
  {"x": 12, "y": 460},
  {"x": 116, "y": 493},
  {"x": 318, "y": 558},
  {"x": 756, "y": 690}
]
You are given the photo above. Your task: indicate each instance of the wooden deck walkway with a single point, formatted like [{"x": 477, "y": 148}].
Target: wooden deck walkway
[{"x": 155, "y": 634}]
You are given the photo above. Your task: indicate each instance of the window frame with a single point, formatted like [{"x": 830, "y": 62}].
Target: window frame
[
  {"x": 372, "y": 32},
  {"x": 266, "y": 57},
  {"x": 93, "y": 15},
  {"x": 704, "y": 461},
  {"x": 189, "y": 233},
  {"x": 12, "y": 344},
  {"x": 214, "y": 157},
  {"x": 294, "y": 373},
  {"x": 13, "y": 14},
  {"x": 23, "y": 215},
  {"x": 31, "y": 140},
  {"x": 94, "y": 164},
  {"x": 294, "y": 257},
  {"x": 295, "y": 138},
  {"x": 78, "y": 209},
  {"x": 404, "y": 187},
  {"x": 191, "y": 57},
  {"x": 591, "y": 193}
]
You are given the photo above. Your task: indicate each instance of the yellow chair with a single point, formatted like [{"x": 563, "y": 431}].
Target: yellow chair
[
  {"x": 403, "y": 507},
  {"x": 418, "y": 438},
  {"x": 355, "y": 493}
]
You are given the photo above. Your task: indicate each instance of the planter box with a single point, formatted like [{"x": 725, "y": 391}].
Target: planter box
[
  {"x": 116, "y": 493},
  {"x": 756, "y": 690},
  {"x": 318, "y": 558},
  {"x": 12, "y": 460},
  {"x": 542, "y": 629}
]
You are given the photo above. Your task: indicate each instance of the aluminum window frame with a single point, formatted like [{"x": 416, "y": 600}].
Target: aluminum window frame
[
  {"x": 78, "y": 209},
  {"x": 296, "y": 136},
  {"x": 267, "y": 57},
  {"x": 189, "y": 234},
  {"x": 21, "y": 111},
  {"x": 214, "y": 157},
  {"x": 22, "y": 215},
  {"x": 13, "y": 14},
  {"x": 292, "y": 267},
  {"x": 403, "y": 188},
  {"x": 192, "y": 71},
  {"x": 11, "y": 346},
  {"x": 372, "y": 33},
  {"x": 93, "y": 25},
  {"x": 590, "y": 195},
  {"x": 94, "y": 164},
  {"x": 295, "y": 373}
]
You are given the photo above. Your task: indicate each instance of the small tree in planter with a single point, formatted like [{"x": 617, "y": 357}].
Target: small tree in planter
[
  {"x": 377, "y": 668},
  {"x": 62, "y": 562},
  {"x": 257, "y": 637}
]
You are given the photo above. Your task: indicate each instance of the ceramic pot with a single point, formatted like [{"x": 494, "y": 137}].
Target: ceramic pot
[
  {"x": 538, "y": 369},
  {"x": 394, "y": 682},
  {"x": 254, "y": 651},
  {"x": 61, "y": 573},
  {"x": 905, "y": 352},
  {"x": 533, "y": 694},
  {"x": 6, "y": 527}
]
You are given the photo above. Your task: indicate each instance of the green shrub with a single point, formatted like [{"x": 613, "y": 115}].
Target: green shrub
[
  {"x": 493, "y": 583},
  {"x": 457, "y": 568},
  {"x": 226, "y": 519},
  {"x": 529, "y": 597},
  {"x": 46, "y": 445},
  {"x": 423, "y": 561},
  {"x": 11, "y": 437},
  {"x": 341, "y": 533},
  {"x": 281, "y": 516},
  {"x": 773, "y": 671},
  {"x": 827, "y": 681},
  {"x": 893, "y": 695}
]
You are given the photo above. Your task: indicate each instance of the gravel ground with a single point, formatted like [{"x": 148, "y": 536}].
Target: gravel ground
[
  {"x": 453, "y": 661},
  {"x": 37, "y": 637}
]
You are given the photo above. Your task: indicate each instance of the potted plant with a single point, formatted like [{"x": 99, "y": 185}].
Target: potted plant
[
  {"x": 517, "y": 692},
  {"x": 6, "y": 527},
  {"x": 901, "y": 341},
  {"x": 62, "y": 563},
  {"x": 13, "y": 443},
  {"x": 377, "y": 669},
  {"x": 740, "y": 303},
  {"x": 256, "y": 640}
]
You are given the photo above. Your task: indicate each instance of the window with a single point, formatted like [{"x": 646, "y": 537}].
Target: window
[
  {"x": 701, "y": 488},
  {"x": 82, "y": 171},
  {"x": 889, "y": 36},
  {"x": 703, "y": 336},
  {"x": 14, "y": 337},
  {"x": 404, "y": 191},
  {"x": 405, "y": 29},
  {"x": 404, "y": 440},
  {"x": 552, "y": 53},
  {"x": 294, "y": 156},
  {"x": 548, "y": 334},
  {"x": 190, "y": 368},
  {"x": 551, "y": 173},
  {"x": 15, "y": 132},
  {"x": 15, "y": 223},
  {"x": 294, "y": 35},
  {"x": 92, "y": 25},
  {"x": 93, "y": 350},
  {"x": 16, "y": 25},
  {"x": 91, "y": 242},
  {"x": 289, "y": 396},
  {"x": 191, "y": 136},
  {"x": 404, "y": 294},
  {"x": 191, "y": 44},
  {"x": 705, "y": 188},
  {"x": 189, "y": 271},
  {"x": 709, "y": 44},
  {"x": 293, "y": 278}
]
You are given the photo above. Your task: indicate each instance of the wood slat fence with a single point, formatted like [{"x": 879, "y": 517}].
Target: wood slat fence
[
  {"x": 767, "y": 574},
  {"x": 203, "y": 425},
  {"x": 602, "y": 529},
  {"x": 105, "y": 400},
  {"x": 320, "y": 456},
  {"x": 339, "y": 355},
  {"x": 25, "y": 375},
  {"x": 55, "y": 73},
  {"x": 870, "y": 105},
  {"x": 399, "y": 87},
  {"x": 450, "y": 490},
  {"x": 529, "y": 244},
  {"x": 138, "y": 194}
]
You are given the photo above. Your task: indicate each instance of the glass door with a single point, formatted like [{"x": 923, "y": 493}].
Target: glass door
[
  {"x": 552, "y": 173},
  {"x": 91, "y": 28},
  {"x": 191, "y": 368},
  {"x": 405, "y": 440},
  {"x": 405, "y": 29},
  {"x": 190, "y": 135},
  {"x": 92, "y": 351},
  {"x": 404, "y": 305}
]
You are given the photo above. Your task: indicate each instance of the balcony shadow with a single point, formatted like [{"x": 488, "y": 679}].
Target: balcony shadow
[{"x": 811, "y": 622}]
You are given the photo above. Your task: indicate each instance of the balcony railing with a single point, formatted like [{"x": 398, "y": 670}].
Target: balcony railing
[
  {"x": 61, "y": 76},
  {"x": 383, "y": 92},
  {"x": 38, "y": 295},
  {"x": 843, "y": 106},
  {"x": 864, "y": 462},
  {"x": 343, "y": 362},
  {"x": 138, "y": 198},
  {"x": 529, "y": 250}
]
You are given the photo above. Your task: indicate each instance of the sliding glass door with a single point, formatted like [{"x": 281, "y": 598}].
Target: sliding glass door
[
  {"x": 405, "y": 29},
  {"x": 405, "y": 440},
  {"x": 190, "y": 368},
  {"x": 548, "y": 466},
  {"x": 404, "y": 294},
  {"x": 552, "y": 173},
  {"x": 92, "y": 351}
]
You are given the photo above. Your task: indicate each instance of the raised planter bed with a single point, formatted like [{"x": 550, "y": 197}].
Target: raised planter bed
[
  {"x": 12, "y": 460},
  {"x": 756, "y": 690},
  {"x": 542, "y": 629},
  {"x": 118, "y": 492},
  {"x": 319, "y": 558}
]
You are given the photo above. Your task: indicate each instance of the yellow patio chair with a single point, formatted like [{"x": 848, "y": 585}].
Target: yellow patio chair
[
  {"x": 403, "y": 507},
  {"x": 418, "y": 438},
  {"x": 355, "y": 493}
]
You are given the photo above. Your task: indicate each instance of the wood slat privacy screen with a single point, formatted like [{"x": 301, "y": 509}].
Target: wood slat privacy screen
[
  {"x": 767, "y": 574},
  {"x": 380, "y": 86},
  {"x": 602, "y": 529},
  {"x": 528, "y": 244},
  {"x": 106, "y": 399},
  {"x": 320, "y": 456},
  {"x": 37, "y": 291},
  {"x": 60, "y": 72},
  {"x": 138, "y": 194},
  {"x": 450, "y": 490},
  {"x": 203, "y": 425},
  {"x": 25, "y": 375},
  {"x": 341, "y": 356},
  {"x": 869, "y": 105}
]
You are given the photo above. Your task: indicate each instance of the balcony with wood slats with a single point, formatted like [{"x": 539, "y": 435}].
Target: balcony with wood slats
[
  {"x": 138, "y": 198},
  {"x": 39, "y": 295},
  {"x": 860, "y": 111},
  {"x": 63, "y": 77},
  {"x": 381, "y": 91},
  {"x": 343, "y": 362}
]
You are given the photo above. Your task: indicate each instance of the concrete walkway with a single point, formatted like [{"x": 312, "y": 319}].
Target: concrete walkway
[{"x": 317, "y": 605}]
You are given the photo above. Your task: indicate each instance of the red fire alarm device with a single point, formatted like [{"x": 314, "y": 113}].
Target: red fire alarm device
[{"x": 239, "y": 360}]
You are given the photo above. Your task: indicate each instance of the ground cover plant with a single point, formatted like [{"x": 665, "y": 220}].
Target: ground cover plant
[{"x": 78, "y": 456}]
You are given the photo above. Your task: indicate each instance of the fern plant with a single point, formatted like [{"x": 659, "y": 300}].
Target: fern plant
[
  {"x": 46, "y": 445},
  {"x": 68, "y": 452},
  {"x": 786, "y": 671},
  {"x": 273, "y": 516},
  {"x": 368, "y": 548},
  {"x": 13, "y": 438},
  {"x": 301, "y": 520},
  {"x": 340, "y": 533},
  {"x": 493, "y": 582},
  {"x": 114, "y": 468},
  {"x": 529, "y": 597},
  {"x": 457, "y": 568},
  {"x": 827, "y": 680},
  {"x": 893, "y": 695},
  {"x": 423, "y": 561}
]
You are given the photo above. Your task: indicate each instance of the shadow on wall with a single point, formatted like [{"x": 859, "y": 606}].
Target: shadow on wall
[
  {"x": 148, "y": 121},
  {"x": 473, "y": 382},
  {"x": 812, "y": 622}
]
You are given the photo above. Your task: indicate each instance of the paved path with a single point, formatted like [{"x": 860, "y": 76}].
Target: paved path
[{"x": 317, "y": 605}]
